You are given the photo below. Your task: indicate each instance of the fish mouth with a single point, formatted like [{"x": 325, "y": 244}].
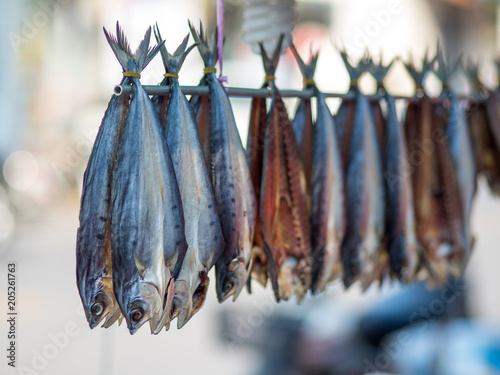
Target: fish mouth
[
  {"x": 197, "y": 302},
  {"x": 232, "y": 282},
  {"x": 166, "y": 316},
  {"x": 112, "y": 316},
  {"x": 93, "y": 322},
  {"x": 294, "y": 279},
  {"x": 182, "y": 303},
  {"x": 259, "y": 266},
  {"x": 133, "y": 328}
]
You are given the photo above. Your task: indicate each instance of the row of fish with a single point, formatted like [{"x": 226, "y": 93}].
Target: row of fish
[
  {"x": 154, "y": 219},
  {"x": 169, "y": 191}
]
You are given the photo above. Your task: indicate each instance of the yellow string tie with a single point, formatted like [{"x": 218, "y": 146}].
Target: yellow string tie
[
  {"x": 354, "y": 82},
  {"x": 209, "y": 70},
  {"x": 269, "y": 78},
  {"x": 131, "y": 74},
  {"x": 309, "y": 81},
  {"x": 478, "y": 85},
  {"x": 173, "y": 75},
  {"x": 420, "y": 86}
]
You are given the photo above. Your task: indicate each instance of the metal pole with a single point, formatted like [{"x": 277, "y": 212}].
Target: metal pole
[{"x": 262, "y": 93}]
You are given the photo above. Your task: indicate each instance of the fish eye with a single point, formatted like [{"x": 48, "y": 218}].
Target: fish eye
[
  {"x": 97, "y": 309},
  {"x": 137, "y": 315},
  {"x": 229, "y": 285}
]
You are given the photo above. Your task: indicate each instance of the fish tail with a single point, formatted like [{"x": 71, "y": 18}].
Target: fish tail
[{"x": 121, "y": 48}]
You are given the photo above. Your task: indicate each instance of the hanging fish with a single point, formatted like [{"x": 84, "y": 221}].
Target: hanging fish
[
  {"x": 402, "y": 244},
  {"x": 327, "y": 216},
  {"x": 147, "y": 226},
  {"x": 202, "y": 226},
  {"x": 344, "y": 118},
  {"x": 365, "y": 194},
  {"x": 283, "y": 199},
  {"x": 462, "y": 180},
  {"x": 483, "y": 119},
  {"x": 302, "y": 122},
  {"x": 430, "y": 160},
  {"x": 201, "y": 104},
  {"x": 93, "y": 249},
  {"x": 231, "y": 181},
  {"x": 255, "y": 156}
]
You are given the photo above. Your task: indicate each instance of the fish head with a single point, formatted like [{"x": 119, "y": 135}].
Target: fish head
[
  {"x": 259, "y": 267},
  {"x": 143, "y": 303},
  {"x": 294, "y": 278},
  {"x": 100, "y": 303},
  {"x": 230, "y": 281},
  {"x": 197, "y": 299}
]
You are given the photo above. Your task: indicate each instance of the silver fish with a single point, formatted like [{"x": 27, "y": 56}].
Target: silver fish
[
  {"x": 146, "y": 210},
  {"x": 365, "y": 194},
  {"x": 457, "y": 169},
  {"x": 202, "y": 226},
  {"x": 231, "y": 183},
  {"x": 461, "y": 148},
  {"x": 93, "y": 250},
  {"x": 402, "y": 245},
  {"x": 327, "y": 216}
]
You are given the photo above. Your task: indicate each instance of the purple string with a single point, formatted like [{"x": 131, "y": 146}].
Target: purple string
[{"x": 220, "y": 37}]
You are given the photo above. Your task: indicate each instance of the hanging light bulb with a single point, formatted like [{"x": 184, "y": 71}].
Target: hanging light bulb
[{"x": 265, "y": 20}]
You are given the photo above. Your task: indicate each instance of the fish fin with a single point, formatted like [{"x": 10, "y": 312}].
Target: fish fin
[
  {"x": 140, "y": 267},
  {"x": 121, "y": 48},
  {"x": 417, "y": 75},
  {"x": 354, "y": 71},
  {"x": 379, "y": 70},
  {"x": 173, "y": 63},
  {"x": 308, "y": 69},
  {"x": 445, "y": 68},
  {"x": 271, "y": 63},
  {"x": 164, "y": 319},
  {"x": 206, "y": 46}
]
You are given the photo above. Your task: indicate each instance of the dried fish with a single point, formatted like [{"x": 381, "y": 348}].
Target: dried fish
[
  {"x": 147, "y": 227},
  {"x": 202, "y": 226},
  {"x": 327, "y": 216},
  {"x": 402, "y": 244},
  {"x": 283, "y": 200},
  {"x": 93, "y": 249},
  {"x": 364, "y": 188},
  {"x": 231, "y": 181},
  {"x": 460, "y": 178},
  {"x": 483, "y": 119},
  {"x": 255, "y": 156}
]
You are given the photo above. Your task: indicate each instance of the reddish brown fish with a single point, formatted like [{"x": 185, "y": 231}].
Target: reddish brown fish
[
  {"x": 284, "y": 217},
  {"x": 327, "y": 214},
  {"x": 255, "y": 156}
]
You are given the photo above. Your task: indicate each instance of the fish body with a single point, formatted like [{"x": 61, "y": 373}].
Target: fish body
[
  {"x": 231, "y": 181},
  {"x": 283, "y": 207},
  {"x": 140, "y": 277},
  {"x": 328, "y": 216},
  {"x": 302, "y": 125},
  {"x": 202, "y": 227},
  {"x": 402, "y": 243},
  {"x": 255, "y": 155},
  {"x": 365, "y": 199},
  {"x": 147, "y": 234},
  {"x": 94, "y": 267},
  {"x": 462, "y": 152}
]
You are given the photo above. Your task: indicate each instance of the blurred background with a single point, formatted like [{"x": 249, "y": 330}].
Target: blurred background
[{"x": 57, "y": 75}]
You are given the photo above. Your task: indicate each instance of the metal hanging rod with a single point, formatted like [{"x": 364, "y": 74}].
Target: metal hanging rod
[{"x": 263, "y": 93}]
